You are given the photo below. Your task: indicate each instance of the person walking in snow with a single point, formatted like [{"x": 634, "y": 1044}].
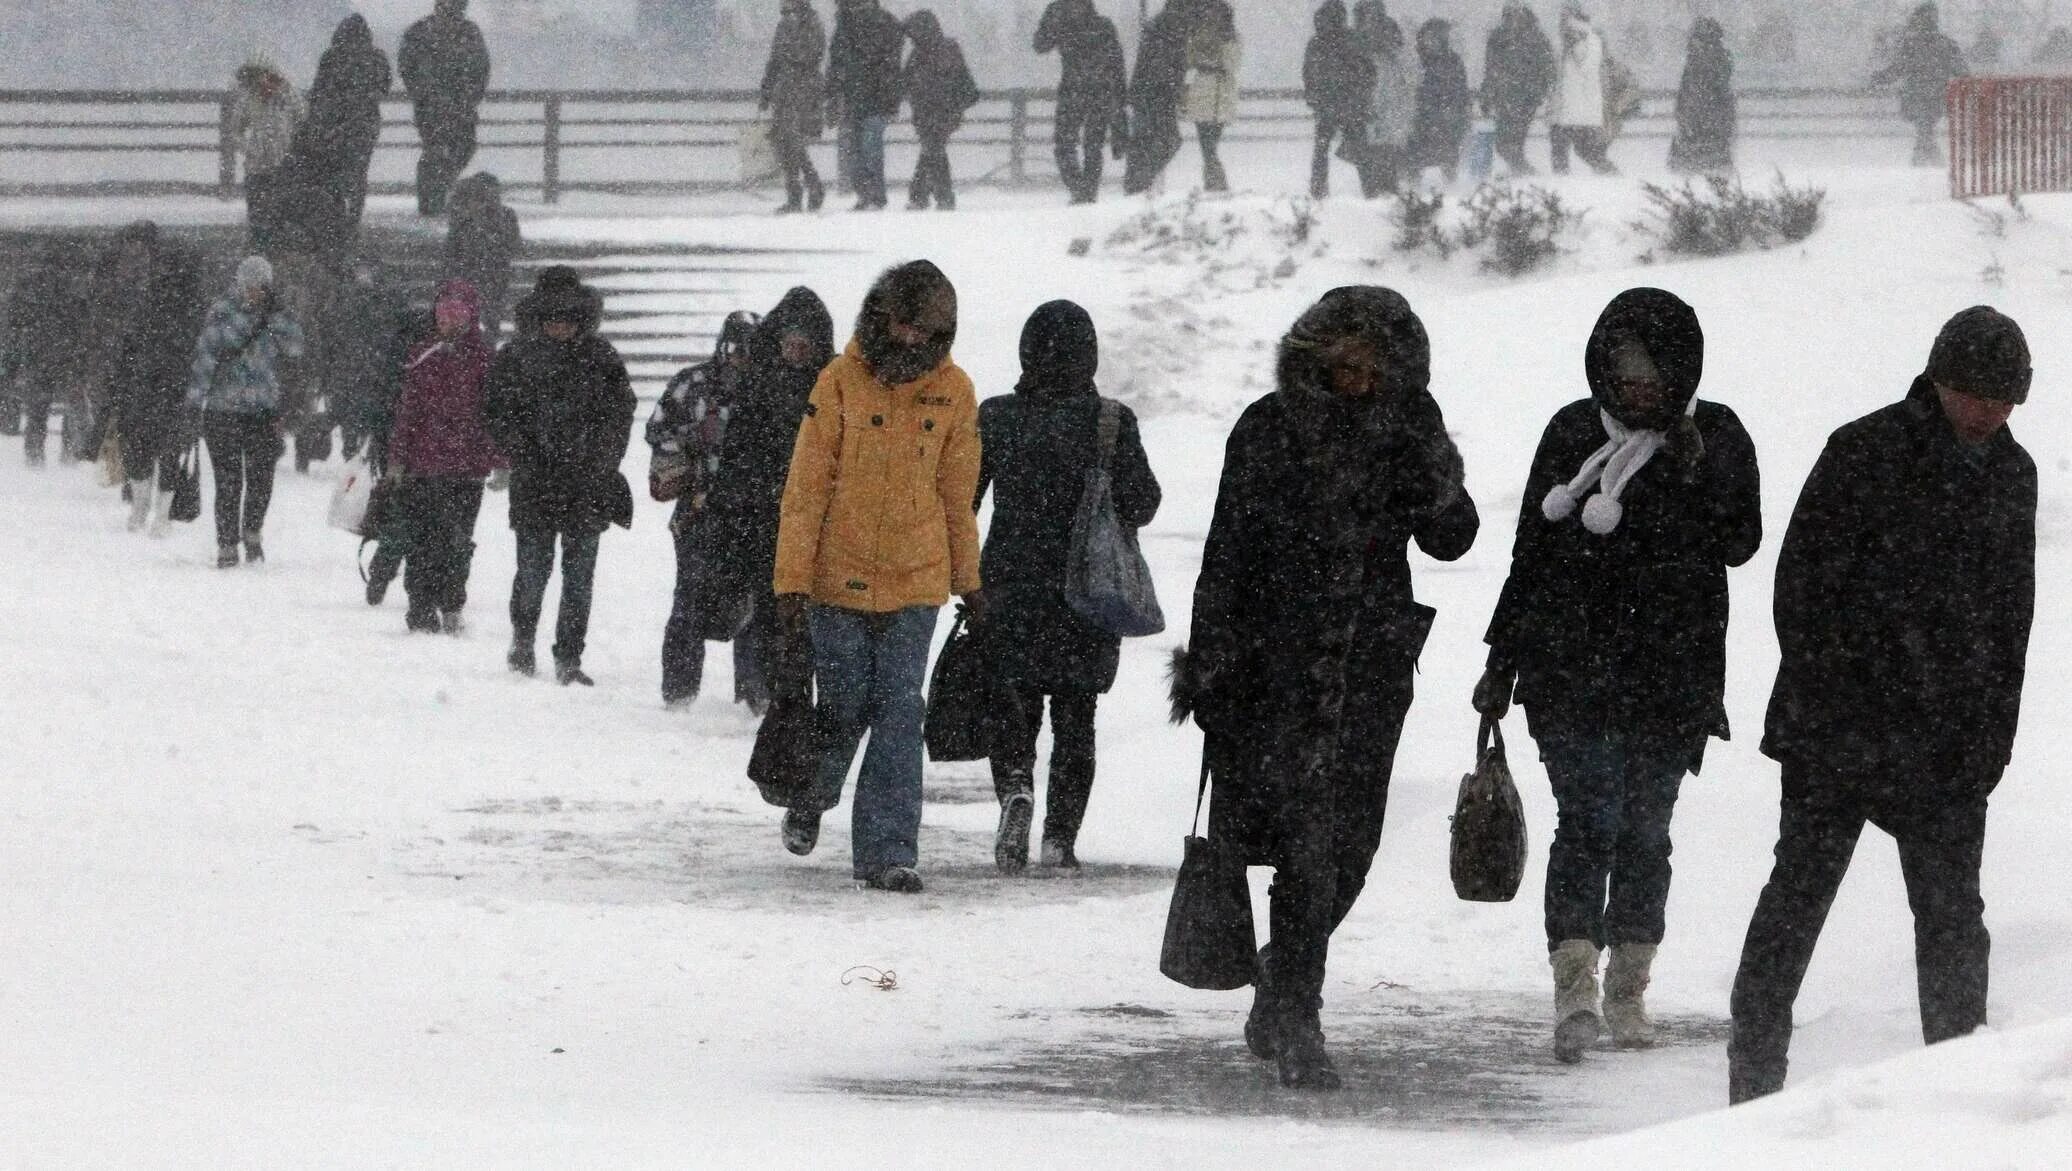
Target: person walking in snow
[
  {"x": 439, "y": 455},
  {"x": 863, "y": 94},
  {"x": 264, "y": 117},
  {"x": 1442, "y": 102},
  {"x": 1392, "y": 116},
  {"x": 158, "y": 283},
  {"x": 235, "y": 384},
  {"x": 1093, "y": 89},
  {"x": 1157, "y": 85},
  {"x": 1705, "y": 107},
  {"x": 1518, "y": 73},
  {"x": 938, "y": 85},
  {"x": 1209, "y": 100},
  {"x": 792, "y": 94},
  {"x": 877, "y": 532},
  {"x": 482, "y": 240},
  {"x": 687, "y": 434},
  {"x": 1337, "y": 82},
  {"x": 1905, "y": 593},
  {"x": 560, "y": 409},
  {"x": 1924, "y": 66},
  {"x": 445, "y": 66},
  {"x": 1576, "y": 114},
  {"x": 338, "y": 137},
  {"x": 1037, "y": 446},
  {"x": 1611, "y": 633},
  {"x": 1306, "y": 636}
]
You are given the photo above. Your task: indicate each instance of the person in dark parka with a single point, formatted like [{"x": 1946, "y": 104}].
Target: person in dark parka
[
  {"x": 863, "y": 94},
  {"x": 482, "y": 241},
  {"x": 1037, "y": 445},
  {"x": 939, "y": 86},
  {"x": 1306, "y": 637},
  {"x": 344, "y": 123},
  {"x": 1705, "y": 108},
  {"x": 1518, "y": 73},
  {"x": 1442, "y": 102},
  {"x": 1338, "y": 85},
  {"x": 560, "y": 408},
  {"x": 1156, "y": 87},
  {"x": 445, "y": 66},
  {"x": 1092, "y": 92},
  {"x": 793, "y": 93},
  {"x": 1612, "y": 632},
  {"x": 1905, "y": 593},
  {"x": 1924, "y": 66},
  {"x": 158, "y": 282}
]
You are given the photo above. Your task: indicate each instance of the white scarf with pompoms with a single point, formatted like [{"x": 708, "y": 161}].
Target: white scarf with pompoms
[{"x": 1611, "y": 468}]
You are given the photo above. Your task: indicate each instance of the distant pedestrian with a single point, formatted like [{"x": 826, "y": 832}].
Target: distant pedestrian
[
  {"x": 445, "y": 66},
  {"x": 1093, "y": 91},
  {"x": 1705, "y": 106},
  {"x": 344, "y": 124},
  {"x": 482, "y": 242},
  {"x": 863, "y": 94},
  {"x": 1442, "y": 102},
  {"x": 793, "y": 94},
  {"x": 264, "y": 115},
  {"x": 1037, "y": 446},
  {"x": 1906, "y": 590},
  {"x": 1157, "y": 86},
  {"x": 560, "y": 409},
  {"x": 939, "y": 86},
  {"x": 1337, "y": 83},
  {"x": 1924, "y": 66},
  {"x": 1576, "y": 117},
  {"x": 1518, "y": 73},
  {"x": 235, "y": 384},
  {"x": 1210, "y": 100},
  {"x": 1392, "y": 110},
  {"x": 158, "y": 285}
]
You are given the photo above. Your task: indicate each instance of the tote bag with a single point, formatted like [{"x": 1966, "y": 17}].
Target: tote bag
[
  {"x": 1488, "y": 854},
  {"x": 1210, "y": 940},
  {"x": 352, "y": 502},
  {"x": 757, "y": 151},
  {"x": 1107, "y": 581}
]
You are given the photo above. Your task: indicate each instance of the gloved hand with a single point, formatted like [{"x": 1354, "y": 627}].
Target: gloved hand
[
  {"x": 1493, "y": 692},
  {"x": 500, "y": 480},
  {"x": 975, "y": 607}
]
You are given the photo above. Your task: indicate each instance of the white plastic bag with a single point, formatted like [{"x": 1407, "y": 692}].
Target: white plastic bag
[
  {"x": 352, "y": 498},
  {"x": 758, "y": 152}
]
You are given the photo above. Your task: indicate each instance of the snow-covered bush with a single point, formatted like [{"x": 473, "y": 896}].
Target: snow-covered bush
[
  {"x": 1514, "y": 230},
  {"x": 1722, "y": 217},
  {"x": 1259, "y": 242}
]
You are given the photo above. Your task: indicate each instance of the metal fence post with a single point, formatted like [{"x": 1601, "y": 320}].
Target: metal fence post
[
  {"x": 550, "y": 170},
  {"x": 226, "y": 149},
  {"x": 1018, "y": 135}
]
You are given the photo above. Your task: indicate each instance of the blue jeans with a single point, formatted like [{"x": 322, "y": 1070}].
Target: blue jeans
[
  {"x": 866, "y": 138},
  {"x": 868, "y": 669},
  {"x": 1616, "y": 794}
]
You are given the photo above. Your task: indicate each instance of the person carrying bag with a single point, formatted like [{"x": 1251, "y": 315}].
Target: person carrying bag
[
  {"x": 1210, "y": 939},
  {"x": 1487, "y": 860}
]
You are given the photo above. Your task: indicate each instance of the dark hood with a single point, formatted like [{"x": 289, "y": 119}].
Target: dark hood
[
  {"x": 737, "y": 332},
  {"x": 560, "y": 292},
  {"x": 1061, "y": 352},
  {"x": 801, "y": 311},
  {"x": 1666, "y": 327},
  {"x": 1925, "y": 19},
  {"x": 353, "y": 35},
  {"x": 1381, "y": 316},
  {"x": 1331, "y": 19},
  {"x": 924, "y": 29},
  {"x": 905, "y": 293}
]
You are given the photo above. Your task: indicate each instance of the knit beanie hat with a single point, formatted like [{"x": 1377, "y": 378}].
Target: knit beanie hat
[
  {"x": 1982, "y": 352},
  {"x": 254, "y": 273}
]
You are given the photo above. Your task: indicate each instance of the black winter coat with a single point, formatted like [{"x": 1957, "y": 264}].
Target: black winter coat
[
  {"x": 1161, "y": 74},
  {"x": 792, "y": 88},
  {"x": 444, "y": 63},
  {"x": 1442, "y": 109},
  {"x": 1095, "y": 75},
  {"x": 1036, "y": 447},
  {"x": 1925, "y": 65},
  {"x": 863, "y": 61},
  {"x": 344, "y": 121},
  {"x": 1905, "y": 592},
  {"x": 148, "y": 382},
  {"x": 1517, "y": 70},
  {"x": 482, "y": 241},
  {"x": 562, "y": 412},
  {"x": 939, "y": 86},
  {"x": 1705, "y": 107},
  {"x": 1337, "y": 74}
]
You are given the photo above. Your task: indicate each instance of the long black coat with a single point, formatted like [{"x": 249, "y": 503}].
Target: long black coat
[
  {"x": 1036, "y": 446},
  {"x": 1705, "y": 106},
  {"x": 1161, "y": 73},
  {"x": 155, "y": 350},
  {"x": 938, "y": 84},
  {"x": 1442, "y": 107},
  {"x": 863, "y": 61},
  {"x": 1276, "y": 613},
  {"x": 344, "y": 121},
  {"x": 1905, "y": 592},
  {"x": 792, "y": 87},
  {"x": 445, "y": 64},
  {"x": 1337, "y": 74},
  {"x": 1517, "y": 68},
  {"x": 1095, "y": 74},
  {"x": 562, "y": 412},
  {"x": 1926, "y": 63}
]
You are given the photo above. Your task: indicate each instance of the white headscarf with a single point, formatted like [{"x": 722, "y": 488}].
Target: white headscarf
[{"x": 1613, "y": 466}]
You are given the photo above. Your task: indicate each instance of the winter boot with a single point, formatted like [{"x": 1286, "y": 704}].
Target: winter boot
[
  {"x": 1625, "y": 980},
  {"x": 903, "y": 880},
  {"x": 162, "y": 516},
  {"x": 140, "y": 504},
  {"x": 1576, "y": 1023},
  {"x": 521, "y": 659},
  {"x": 226, "y": 556},
  {"x": 254, "y": 552},
  {"x": 1299, "y": 1054},
  {"x": 1011, "y": 842},
  {"x": 801, "y": 831},
  {"x": 816, "y": 196},
  {"x": 1754, "y": 1070},
  {"x": 1058, "y": 856},
  {"x": 568, "y": 671},
  {"x": 450, "y": 622},
  {"x": 1262, "y": 1024}
]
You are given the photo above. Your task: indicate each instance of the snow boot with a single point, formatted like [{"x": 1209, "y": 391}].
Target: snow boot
[
  {"x": 162, "y": 516},
  {"x": 450, "y": 622},
  {"x": 1576, "y": 1021},
  {"x": 1011, "y": 841},
  {"x": 568, "y": 671},
  {"x": 521, "y": 659},
  {"x": 801, "y": 831},
  {"x": 254, "y": 552},
  {"x": 1058, "y": 856},
  {"x": 1754, "y": 1070},
  {"x": 1301, "y": 1060},
  {"x": 140, "y": 504},
  {"x": 903, "y": 880},
  {"x": 226, "y": 556},
  {"x": 1262, "y": 1024},
  {"x": 1625, "y": 980}
]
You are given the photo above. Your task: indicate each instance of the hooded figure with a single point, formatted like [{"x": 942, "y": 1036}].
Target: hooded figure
[
  {"x": 1392, "y": 120},
  {"x": 1612, "y": 632},
  {"x": 1576, "y": 113},
  {"x": 1906, "y": 590},
  {"x": 1442, "y": 101},
  {"x": 1337, "y": 82},
  {"x": 793, "y": 92},
  {"x": 235, "y": 382},
  {"x": 338, "y": 138},
  {"x": 1038, "y": 445},
  {"x": 863, "y": 94},
  {"x": 1518, "y": 72},
  {"x": 445, "y": 66},
  {"x": 1156, "y": 86},
  {"x": 1705, "y": 110},
  {"x": 560, "y": 408},
  {"x": 939, "y": 86},
  {"x": 876, "y": 533},
  {"x": 1923, "y": 68},
  {"x": 264, "y": 117},
  {"x": 1092, "y": 92},
  {"x": 157, "y": 283},
  {"x": 1306, "y": 637},
  {"x": 482, "y": 239}
]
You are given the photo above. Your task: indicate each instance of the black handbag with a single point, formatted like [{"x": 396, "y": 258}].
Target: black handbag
[
  {"x": 1210, "y": 942},
  {"x": 186, "y": 503},
  {"x": 790, "y": 742},
  {"x": 968, "y": 712},
  {"x": 1488, "y": 855}
]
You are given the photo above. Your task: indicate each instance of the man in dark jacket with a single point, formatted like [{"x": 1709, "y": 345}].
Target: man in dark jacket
[
  {"x": 159, "y": 282},
  {"x": 1925, "y": 65},
  {"x": 445, "y": 66},
  {"x": 1338, "y": 84},
  {"x": 1036, "y": 447},
  {"x": 1156, "y": 88},
  {"x": 863, "y": 95},
  {"x": 939, "y": 86},
  {"x": 1905, "y": 592},
  {"x": 560, "y": 408},
  {"x": 1091, "y": 91},
  {"x": 1306, "y": 636},
  {"x": 338, "y": 137},
  {"x": 1518, "y": 71}
]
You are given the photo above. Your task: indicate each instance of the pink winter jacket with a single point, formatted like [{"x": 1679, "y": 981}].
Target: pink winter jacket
[{"x": 439, "y": 429}]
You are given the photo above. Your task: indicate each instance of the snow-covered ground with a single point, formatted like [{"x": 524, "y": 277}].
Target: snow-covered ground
[{"x": 285, "y": 886}]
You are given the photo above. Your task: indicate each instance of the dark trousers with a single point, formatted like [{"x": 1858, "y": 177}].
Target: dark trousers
[
  {"x": 1511, "y": 132},
  {"x": 243, "y": 449},
  {"x": 1941, "y": 846},
  {"x": 438, "y": 516},
  {"x": 1071, "y": 758},
  {"x": 1927, "y": 145},
  {"x": 1210, "y": 134},
  {"x": 932, "y": 173},
  {"x": 36, "y": 397},
  {"x": 1350, "y": 137},
  {"x": 448, "y": 138},
  {"x": 529, "y": 589},
  {"x": 1326, "y": 841},
  {"x": 150, "y": 445},
  {"x": 1082, "y": 140},
  {"x": 800, "y": 177},
  {"x": 683, "y": 638},
  {"x": 262, "y": 215},
  {"x": 1153, "y": 146},
  {"x": 1587, "y": 141},
  {"x": 1608, "y": 871}
]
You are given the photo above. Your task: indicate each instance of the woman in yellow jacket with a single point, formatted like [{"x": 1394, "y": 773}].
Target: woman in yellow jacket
[{"x": 877, "y": 531}]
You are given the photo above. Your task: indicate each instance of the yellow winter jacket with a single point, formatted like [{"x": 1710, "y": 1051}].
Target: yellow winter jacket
[{"x": 877, "y": 512}]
